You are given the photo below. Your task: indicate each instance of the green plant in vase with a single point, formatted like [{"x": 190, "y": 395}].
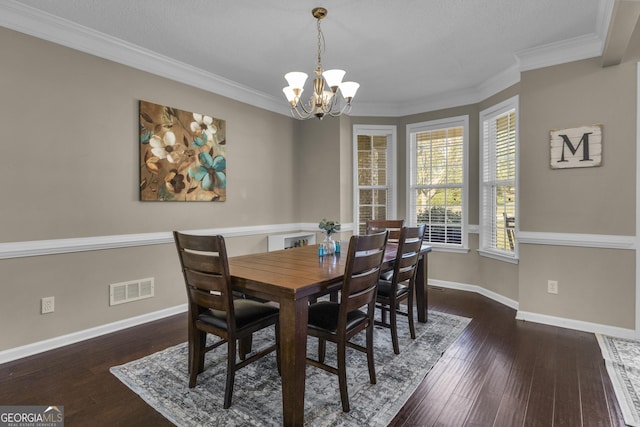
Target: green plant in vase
[{"x": 329, "y": 227}]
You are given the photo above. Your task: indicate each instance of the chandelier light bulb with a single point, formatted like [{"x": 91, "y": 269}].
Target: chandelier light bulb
[
  {"x": 333, "y": 78},
  {"x": 349, "y": 90},
  {"x": 296, "y": 79}
]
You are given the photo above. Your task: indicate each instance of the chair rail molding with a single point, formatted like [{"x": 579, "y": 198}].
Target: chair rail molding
[
  {"x": 93, "y": 243},
  {"x": 604, "y": 241}
]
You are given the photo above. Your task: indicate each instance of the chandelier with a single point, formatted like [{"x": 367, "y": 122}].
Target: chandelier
[{"x": 322, "y": 101}]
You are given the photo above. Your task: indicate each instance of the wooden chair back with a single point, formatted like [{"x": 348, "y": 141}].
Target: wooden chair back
[
  {"x": 205, "y": 267},
  {"x": 392, "y": 225},
  {"x": 362, "y": 271},
  {"x": 409, "y": 245}
]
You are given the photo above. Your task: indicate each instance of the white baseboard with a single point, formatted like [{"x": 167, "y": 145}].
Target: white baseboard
[
  {"x": 57, "y": 342},
  {"x": 477, "y": 289},
  {"x": 578, "y": 325},
  {"x": 561, "y": 322},
  {"x": 53, "y": 343}
]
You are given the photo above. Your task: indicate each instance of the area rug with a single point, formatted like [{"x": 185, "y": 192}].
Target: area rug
[
  {"x": 161, "y": 380},
  {"x": 622, "y": 359}
]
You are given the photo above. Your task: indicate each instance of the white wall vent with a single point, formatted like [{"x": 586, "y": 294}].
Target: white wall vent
[{"x": 131, "y": 291}]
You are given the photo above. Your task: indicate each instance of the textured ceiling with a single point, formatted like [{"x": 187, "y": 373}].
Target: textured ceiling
[{"x": 406, "y": 54}]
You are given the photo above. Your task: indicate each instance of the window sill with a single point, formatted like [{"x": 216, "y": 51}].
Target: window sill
[
  {"x": 494, "y": 255},
  {"x": 459, "y": 250}
]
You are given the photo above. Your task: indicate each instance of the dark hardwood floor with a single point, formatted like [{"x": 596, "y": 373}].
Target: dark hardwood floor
[{"x": 500, "y": 372}]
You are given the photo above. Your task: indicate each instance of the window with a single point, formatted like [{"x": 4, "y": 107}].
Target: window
[
  {"x": 374, "y": 160},
  {"x": 498, "y": 175},
  {"x": 438, "y": 180}
]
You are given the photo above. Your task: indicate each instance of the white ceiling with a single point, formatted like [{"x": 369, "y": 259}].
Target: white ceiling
[{"x": 408, "y": 55}]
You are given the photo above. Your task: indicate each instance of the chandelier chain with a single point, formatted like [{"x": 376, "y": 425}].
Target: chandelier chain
[{"x": 320, "y": 43}]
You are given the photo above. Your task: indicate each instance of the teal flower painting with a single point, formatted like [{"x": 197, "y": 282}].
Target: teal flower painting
[{"x": 182, "y": 155}]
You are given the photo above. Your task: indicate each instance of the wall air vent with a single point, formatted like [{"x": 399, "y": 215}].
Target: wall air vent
[{"x": 131, "y": 291}]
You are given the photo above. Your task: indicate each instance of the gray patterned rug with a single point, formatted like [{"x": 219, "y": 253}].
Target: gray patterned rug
[
  {"x": 622, "y": 359},
  {"x": 161, "y": 380}
]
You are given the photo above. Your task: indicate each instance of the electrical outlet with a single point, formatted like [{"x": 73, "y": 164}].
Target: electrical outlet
[
  {"x": 552, "y": 286},
  {"x": 47, "y": 305}
]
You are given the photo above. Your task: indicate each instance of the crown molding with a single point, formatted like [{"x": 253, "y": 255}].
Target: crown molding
[
  {"x": 28, "y": 20},
  {"x": 562, "y": 52},
  {"x": 31, "y": 21}
]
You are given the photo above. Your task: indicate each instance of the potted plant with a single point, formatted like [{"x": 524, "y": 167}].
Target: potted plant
[{"x": 329, "y": 227}]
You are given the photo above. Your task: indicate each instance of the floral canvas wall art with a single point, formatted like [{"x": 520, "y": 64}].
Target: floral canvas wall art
[{"x": 182, "y": 155}]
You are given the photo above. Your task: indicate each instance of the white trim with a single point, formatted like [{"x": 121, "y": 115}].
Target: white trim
[
  {"x": 28, "y": 20},
  {"x": 497, "y": 256},
  {"x": 83, "y": 244},
  {"x": 411, "y": 130},
  {"x": 562, "y": 52},
  {"x": 485, "y": 241},
  {"x": 61, "y": 341},
  {"x": 477, "y": 289},
  {"x": 391, "y": 132},
  {"x": 560, "y": 322},
  {"x": 637, "y": 236},
  {"x": 603, "y": 241},
  {"x": 578, "y": 325},
  {"x": 53, "y": 343},
  {"x": 437, "y": 248}
]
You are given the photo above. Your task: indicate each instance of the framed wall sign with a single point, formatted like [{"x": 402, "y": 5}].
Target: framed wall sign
[
  {"x": 182, "y": 155},
  {"x": 576, "y": 147}
]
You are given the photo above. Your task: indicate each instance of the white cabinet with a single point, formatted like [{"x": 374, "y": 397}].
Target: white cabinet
[{"x": 290, "y": 240}]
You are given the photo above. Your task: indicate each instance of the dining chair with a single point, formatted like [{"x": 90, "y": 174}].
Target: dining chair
[
  {"x": 213, "y": 309},
  {"x": 339, "y": 321},
  {"x": 391, "y": 293},
  {"x": 392, "y": 225}
]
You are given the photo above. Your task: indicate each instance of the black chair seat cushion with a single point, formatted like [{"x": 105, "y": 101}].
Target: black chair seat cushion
[
  {"x": 387, "y": 275},
  {"x": 246, "y": 312},
  {"x": 384, "y": 289},
  {"x": 324, "y": 315}
]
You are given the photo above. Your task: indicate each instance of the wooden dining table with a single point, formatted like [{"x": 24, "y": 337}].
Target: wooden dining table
[{"x": 293, "y": 277}]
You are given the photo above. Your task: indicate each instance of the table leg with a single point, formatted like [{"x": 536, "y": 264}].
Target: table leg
[
  {"x": 293, "y": 352},
  {"x": 421, "y": 288}
]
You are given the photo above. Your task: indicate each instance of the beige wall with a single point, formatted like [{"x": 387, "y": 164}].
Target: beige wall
[
  {"x": 579, "y": 201},
  {"x": 69, "y": 163},
  {"x": 595, "y": 285},
  {"x": 599, "y": 200},
  {"x": 69, "y": 159},
  {"x": 69, "y": 152}
]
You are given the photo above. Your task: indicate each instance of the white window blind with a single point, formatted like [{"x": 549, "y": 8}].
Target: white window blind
[
  {"x": 375, "y": 174},
  {"x": 438, "y": 183},
  {"x": 498, "y": 210}
]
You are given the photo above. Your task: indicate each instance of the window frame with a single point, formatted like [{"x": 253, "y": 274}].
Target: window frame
[
  {"x": 486, "y": 229},
  {"x": 390, "y": 131},
  {"x": 432, "y": 125}
]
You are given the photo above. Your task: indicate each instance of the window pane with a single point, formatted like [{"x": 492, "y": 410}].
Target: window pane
[
  {"x": 366, "y": 197},
  {"x": 372, "y": 178},
  {"x": 364, "y": 177},
  {"x": 438, "y": 180},
  {"x": 498, "y": 196},
  {"x": 364, "y": 143}
]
